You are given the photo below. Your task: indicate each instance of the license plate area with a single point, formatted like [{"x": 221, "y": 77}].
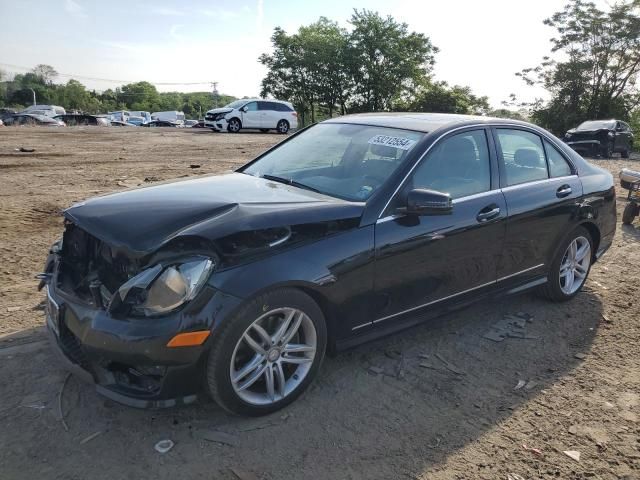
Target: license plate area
[{"x": 52, "y": 310}]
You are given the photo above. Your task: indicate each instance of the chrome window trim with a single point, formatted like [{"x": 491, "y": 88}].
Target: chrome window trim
[
  {"x": 494, "y": 282},
  {"x": 537, "y": 182}
]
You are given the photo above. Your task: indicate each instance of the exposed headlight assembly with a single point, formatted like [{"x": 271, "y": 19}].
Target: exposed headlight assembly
[{"x": 164, "y": 287}]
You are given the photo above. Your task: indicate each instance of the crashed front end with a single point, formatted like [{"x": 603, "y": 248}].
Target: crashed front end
[
  {"x": 589, "y": 143},
  {"x": 113, "y": 318}
]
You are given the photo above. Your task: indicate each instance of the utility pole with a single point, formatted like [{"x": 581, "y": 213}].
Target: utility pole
[
  {"x": 215, "y": 94},
  {"x": 34, "y": 96}
]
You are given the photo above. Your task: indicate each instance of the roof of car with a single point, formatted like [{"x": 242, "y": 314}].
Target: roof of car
[{"x": 422, "y": 122}]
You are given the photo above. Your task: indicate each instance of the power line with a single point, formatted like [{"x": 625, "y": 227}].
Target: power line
[{"x": 82, "y": 77}]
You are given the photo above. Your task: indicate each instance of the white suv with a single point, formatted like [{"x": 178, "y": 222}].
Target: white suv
[{"x": 255, "y": 113}]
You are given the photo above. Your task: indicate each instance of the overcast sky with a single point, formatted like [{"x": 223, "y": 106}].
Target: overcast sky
[{"x": 482, "y": 43}]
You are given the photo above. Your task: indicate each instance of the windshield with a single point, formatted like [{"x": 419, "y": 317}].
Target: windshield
[
  {"x": 343, "y": 160},
  {"x": 237, "y": 103},
  {"x": 596, "y": 125}
]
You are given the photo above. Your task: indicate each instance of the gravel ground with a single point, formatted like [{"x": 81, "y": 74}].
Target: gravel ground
[{"x": 440, "y": 403}]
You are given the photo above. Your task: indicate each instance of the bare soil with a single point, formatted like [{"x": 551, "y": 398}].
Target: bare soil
[{"x": 438, "y": 401}]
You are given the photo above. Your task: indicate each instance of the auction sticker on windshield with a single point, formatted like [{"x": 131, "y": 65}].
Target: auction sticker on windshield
[{"x": 395, "y": 142}]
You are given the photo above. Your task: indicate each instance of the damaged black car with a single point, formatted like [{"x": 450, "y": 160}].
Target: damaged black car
[
  {"x": 601, "y": 138},
  {"x": 235, "y": 286}
]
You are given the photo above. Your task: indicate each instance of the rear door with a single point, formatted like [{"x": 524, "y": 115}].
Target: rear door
[
  {"x": 251, "y": 116},
  {"x": 269, "y": 114},
  {"x": 542, "y": 193},
  {"x": 431, "y": 260}
]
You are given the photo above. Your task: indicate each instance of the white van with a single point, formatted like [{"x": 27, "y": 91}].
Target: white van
[
  {"x": 256, "y": 113},
  {"x": 46, "y": 110},
  {"x": 120, "y": 116},
  {"x": 175, "y": 117}
]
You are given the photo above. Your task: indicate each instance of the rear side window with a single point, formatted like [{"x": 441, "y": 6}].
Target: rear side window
[
  {"x": 459, "y": 166},
  {"x": 523, "y": 154},
  {"x": 558, "y": 166}
]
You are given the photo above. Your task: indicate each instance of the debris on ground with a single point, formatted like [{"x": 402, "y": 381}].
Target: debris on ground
[
  {"x": 537, "y": 451},
  {"x": 520, "y": 384},
  {"x": 572, "y": 454},
  {"x": 514, "y": 476},
  {"x": 449, "y": 366},
  {"x": 376, "y": 370},
  {"x": 511, "y": 326},
  {"x": 243, "y": 474},
  {"x": 217, "y": 436},
  {"x": 573, "y": 430},
  {"x": 194, "y": 165},
  {"x": 580, "y": 356},
  {"x": 13, "y": 309},
  {"x": 90, "y": 437},
  {"x": 25, "y": 150},
  {"x": 163, "y": 446},
  {"x": 64, "y": 384}
]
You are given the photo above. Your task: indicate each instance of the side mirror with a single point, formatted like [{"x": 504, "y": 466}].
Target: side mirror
[
  {"x": 243, "y": 109},
  {"x": 421, "y": 201}
]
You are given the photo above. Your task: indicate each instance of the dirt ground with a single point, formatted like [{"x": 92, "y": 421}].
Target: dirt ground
[{"x": 439, "y": 401}]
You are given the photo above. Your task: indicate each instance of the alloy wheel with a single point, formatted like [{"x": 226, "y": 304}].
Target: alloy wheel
[
  {"x": 273, "y": 356},
  {"x": 234, "y": 126},
  {"x": 575, "y": 265},
  {"x": 283, "y": 126}
]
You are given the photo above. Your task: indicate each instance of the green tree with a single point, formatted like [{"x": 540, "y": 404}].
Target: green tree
[
  {"x": 595, "y": 72},
  {"x": 46, "y": 73},
  {"x": 386, "y": 60},
  {"x": 439, "y": 97}
]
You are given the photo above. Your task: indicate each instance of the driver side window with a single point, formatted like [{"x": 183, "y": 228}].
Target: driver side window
[
  {"x": 251, "y": 107},
  {"x": 459, "y": 166}
]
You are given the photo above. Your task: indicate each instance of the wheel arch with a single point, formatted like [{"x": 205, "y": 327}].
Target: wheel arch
[{"x": 594, "y": 231}]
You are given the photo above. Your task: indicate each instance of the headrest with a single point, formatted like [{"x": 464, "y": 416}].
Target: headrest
[
  {"x": 384, "y": 151},
  {"x": 527, "y": 157}
]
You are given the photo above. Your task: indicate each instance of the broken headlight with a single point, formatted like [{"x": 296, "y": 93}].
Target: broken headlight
[{"x": 164, "y": 287}]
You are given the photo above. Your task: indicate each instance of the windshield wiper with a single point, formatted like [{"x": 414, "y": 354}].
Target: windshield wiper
[{"x": 290, "y": 181}]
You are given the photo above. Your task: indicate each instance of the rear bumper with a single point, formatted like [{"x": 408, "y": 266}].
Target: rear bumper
[{"x": 127, "y": 359}]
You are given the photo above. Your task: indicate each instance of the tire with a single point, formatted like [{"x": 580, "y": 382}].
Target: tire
[
  {"x": 231, "y": 354},
  {"x": 607, "y": 152},
  {"x": 556, "y": 288},
  {"x": 282, "y": 127},
  {"x": 630, "y": 212},
  {"x": 264, "y": 130},
  {"x": 234, "y": 125},
  {"x": 625, "y": 152}
]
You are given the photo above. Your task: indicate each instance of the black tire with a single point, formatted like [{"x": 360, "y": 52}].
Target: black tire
[
  {"x": 282, "y": 127},
  {"x": 264, "y": 130},
  {"x": 234, "y": 125},
  {"x": 218, "y": 376},
  {"x": 630, "y": 213},
  {"x": 552, "y": 290},
  {"x": 625, "y": 153},
  {"x": 607, "y": 151}
]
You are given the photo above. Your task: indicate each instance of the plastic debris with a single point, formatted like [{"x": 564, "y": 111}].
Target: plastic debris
[
  {"x": 376, "y": 370},
  {"x": 511, "y": 326},
  {"x": 163, "y": 446},
  {"x": 521, "y": 383},
  {"x": 532, "y": 450},
  {"x": 572, "y": 454}
]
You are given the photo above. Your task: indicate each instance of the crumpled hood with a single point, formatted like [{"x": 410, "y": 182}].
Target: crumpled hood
[
  {"x": 220, "y": 110},
  {"x": 211, "y": 208}
]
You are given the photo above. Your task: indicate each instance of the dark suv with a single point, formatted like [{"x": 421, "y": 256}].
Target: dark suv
[{"x": 601, "y": 137}]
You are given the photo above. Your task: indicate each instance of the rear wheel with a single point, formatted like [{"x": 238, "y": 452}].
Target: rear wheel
[
  {"x": 570, "y": 268},
  {"x": 625, "y": 152},
  {"x": 607, "y": 152},
  {"x": 268, "y": 354},
  {"x": 630, "y": 213},
  {"x": 283, "y": 126},
  {"x": 234, "y": 125}
]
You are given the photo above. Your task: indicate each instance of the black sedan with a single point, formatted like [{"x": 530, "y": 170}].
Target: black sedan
[
  {"x": 160, "y": 123},
  {"x": 75, "y": 120},
  {"x": 601, "y": 137},
  {"x": 32, "y": 119},
  {"x": 237, "y": 285}
]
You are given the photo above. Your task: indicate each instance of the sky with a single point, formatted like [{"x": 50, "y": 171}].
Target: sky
[{"x": 482, "y": 43}]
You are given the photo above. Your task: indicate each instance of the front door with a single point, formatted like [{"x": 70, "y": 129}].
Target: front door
[
  {"x": 430, "y": 260},
  {"x": 251, "y": 116}
]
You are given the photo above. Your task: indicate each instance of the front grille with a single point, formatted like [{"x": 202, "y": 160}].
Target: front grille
[
  {"x": 577, "y": 136},
  {"x": 72, "y": 348},
  {"x": 86, "y": 260}
]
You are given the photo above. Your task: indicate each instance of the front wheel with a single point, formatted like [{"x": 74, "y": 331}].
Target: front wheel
[
  {"x": 570, "y": 268},
  {"x": 630, "y": 212},
  {"x": 283, "y": 126},
  {"x": 607, "y": 152},
  {"x": 267, "y": 354},
  {"x": 234, "y": 125}
]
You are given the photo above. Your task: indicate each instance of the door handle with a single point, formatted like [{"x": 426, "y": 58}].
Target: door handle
[
  {"x": 488, "y": 213},
  {"x": 563, "y": 191}
]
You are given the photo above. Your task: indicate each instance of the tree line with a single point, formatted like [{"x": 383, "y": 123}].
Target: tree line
[{"x": 73, "y": 95}]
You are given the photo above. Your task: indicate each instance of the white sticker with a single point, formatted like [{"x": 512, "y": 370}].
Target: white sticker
[{"x": 400, "y": 143}]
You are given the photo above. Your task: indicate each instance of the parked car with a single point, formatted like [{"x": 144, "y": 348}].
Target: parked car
[
  {"x": 72, "y": 120},
  {"x": 259, "y": 114},
  {"x": 349, "y": 230},
  {"x": 199, "y": 124},
  {"x": 6, "y": 113},
  {"x": 171, "y": 116},
  {"x": 120, "y": 115},
  {"x": 137, "y": 121},
  {"x": 601, "y": 137},
  {"x": 146, "y": 116},
  {"x": 190, "y": 123},
  {"x": 117, "y": 123},
  {"x": 160, "y": 123},
  {"x": 46, "y": 110},
  {"x": 21, "y": 119}
]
